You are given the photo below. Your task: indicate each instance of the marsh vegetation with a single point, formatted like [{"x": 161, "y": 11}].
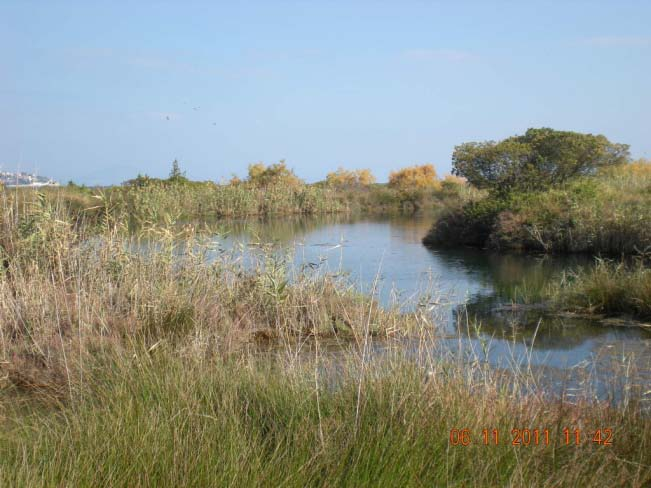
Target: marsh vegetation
[
  {"x": 552, "y": 192},
  {"x": 137, "y": 348}
]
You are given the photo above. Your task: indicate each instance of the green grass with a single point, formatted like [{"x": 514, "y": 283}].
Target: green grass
[
  {"x": 609, "y": 287},
  {"x": 163, "y": 420},
  {"x": 196, "y": 199}
]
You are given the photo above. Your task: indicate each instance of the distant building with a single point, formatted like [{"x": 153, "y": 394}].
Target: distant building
[{"x": 10, "y": 179}]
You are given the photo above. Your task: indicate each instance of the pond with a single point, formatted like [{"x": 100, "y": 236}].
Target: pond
[{"x": 473, "y": 291}]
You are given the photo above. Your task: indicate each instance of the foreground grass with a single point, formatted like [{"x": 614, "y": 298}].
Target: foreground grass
[{"x": 163, "y": 420}]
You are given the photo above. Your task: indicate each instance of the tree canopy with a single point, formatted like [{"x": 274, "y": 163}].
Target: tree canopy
[{"x": 540, "y": 158}]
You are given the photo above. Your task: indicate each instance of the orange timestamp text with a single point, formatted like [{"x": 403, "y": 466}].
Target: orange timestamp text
[{"x": 531, "y": 437}]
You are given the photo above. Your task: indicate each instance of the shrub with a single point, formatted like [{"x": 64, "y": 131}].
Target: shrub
[
  {"x": 275, "y": 174},
  {"x": 470, "y": 225},
  {"x": 343, "y": 178},
  {"x": 414, "y": 178}
]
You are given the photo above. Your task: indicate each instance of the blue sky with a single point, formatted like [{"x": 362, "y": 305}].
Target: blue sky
[{"x": 100, "y": 91}]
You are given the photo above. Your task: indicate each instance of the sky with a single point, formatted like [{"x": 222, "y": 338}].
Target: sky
[{"x": 97, "y": 92}]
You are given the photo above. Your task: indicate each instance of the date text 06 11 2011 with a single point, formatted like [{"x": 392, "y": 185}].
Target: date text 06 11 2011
[{"x": 531, "y": 437}]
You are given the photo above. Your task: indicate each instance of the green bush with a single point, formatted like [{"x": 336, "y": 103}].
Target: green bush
[{"x": 606, "y": 214}]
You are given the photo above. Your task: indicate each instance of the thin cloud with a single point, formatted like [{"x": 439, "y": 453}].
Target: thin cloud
[
  {"x": 163, "y": 63},
  {"x": 456, "y": 55},
  {"x": 86, "y": 53},
  {"x": 175, "y": 62},
  {"x": 617, "y": 41}
]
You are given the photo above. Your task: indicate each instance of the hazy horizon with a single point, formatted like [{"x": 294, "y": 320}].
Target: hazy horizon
[{"x": 98, "y": 92}]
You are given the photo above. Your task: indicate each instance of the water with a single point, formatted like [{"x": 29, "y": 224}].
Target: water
[{"x": 468, "y": 286}]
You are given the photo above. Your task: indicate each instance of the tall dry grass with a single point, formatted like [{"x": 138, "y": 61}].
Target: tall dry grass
[{"x": 66, "y": 290}]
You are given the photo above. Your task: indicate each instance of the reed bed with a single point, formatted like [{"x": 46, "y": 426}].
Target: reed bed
[
  {"x": 66, "y": 289},
  {"x": 192, "y": 199},
  {"x": 156, "y": 201},
  {"x": 144, "y": 202}
]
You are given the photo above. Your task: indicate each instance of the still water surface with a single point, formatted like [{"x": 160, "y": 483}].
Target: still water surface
[{"x": 386, "y": 254}]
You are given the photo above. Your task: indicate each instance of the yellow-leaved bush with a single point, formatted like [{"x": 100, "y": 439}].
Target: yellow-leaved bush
[
  {"x": 415, "y": 178},
  {"x": 346, "y": 178}
]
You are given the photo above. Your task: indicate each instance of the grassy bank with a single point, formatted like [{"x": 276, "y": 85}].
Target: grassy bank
[
  {"x": 608, "y": 214},
  {"x": 152, "y": 201},
  {"x": 610, "y": 287}
]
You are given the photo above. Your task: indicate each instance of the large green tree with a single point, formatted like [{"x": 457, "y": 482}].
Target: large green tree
[{"x": 538, "y": 159}]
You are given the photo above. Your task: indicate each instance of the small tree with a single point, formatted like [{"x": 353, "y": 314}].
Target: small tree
[
  {"x": 176, "y": 175},
  {"x": 538, "y": 159}
]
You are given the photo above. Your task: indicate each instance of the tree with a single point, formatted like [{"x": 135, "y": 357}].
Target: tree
[
  {"x": 538, "y": 159},
  {"x": 176, "y": 175},
  {"x": 414, "y": 178},
  {"x": 350, "y": 178}
]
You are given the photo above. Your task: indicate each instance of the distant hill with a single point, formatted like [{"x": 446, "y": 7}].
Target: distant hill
[{"x": 25, "y": 179}]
